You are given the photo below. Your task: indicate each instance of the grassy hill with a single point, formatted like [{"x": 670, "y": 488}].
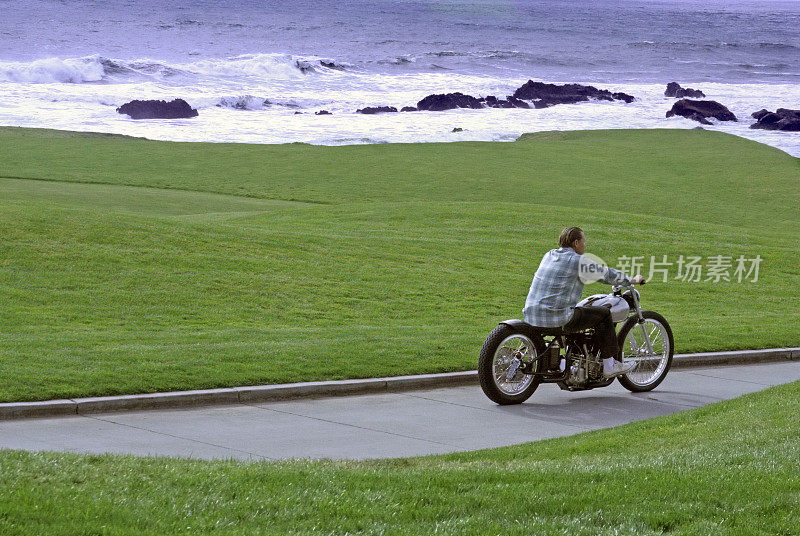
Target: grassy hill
[{"x": 129, "y": 265}]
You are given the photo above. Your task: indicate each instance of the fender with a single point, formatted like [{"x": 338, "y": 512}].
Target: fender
[{"x": 516, "y": 323}]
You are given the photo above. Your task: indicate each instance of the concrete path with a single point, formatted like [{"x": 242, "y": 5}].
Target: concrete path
[{"x": 384, "y": 425}]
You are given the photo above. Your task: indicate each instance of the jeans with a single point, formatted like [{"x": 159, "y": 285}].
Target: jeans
[{"x": 598, "y": 318}]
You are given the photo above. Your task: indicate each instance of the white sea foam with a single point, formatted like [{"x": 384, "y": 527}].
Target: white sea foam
[{"x": 52, "y": 93}]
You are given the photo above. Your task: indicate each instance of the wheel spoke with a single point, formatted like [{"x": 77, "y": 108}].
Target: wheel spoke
[
  {"x": 514, "y": 347},
  {"x": 649, "y": 365}
]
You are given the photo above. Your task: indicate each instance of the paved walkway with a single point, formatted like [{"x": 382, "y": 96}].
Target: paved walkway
[{"x": 384, "y": 425}]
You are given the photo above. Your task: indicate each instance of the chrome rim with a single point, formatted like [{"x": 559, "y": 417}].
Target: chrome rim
[
  {"x": 509, "y": 358},
  {"x": 649, "y": 365}
]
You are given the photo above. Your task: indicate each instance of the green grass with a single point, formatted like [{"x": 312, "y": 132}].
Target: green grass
[
  {"x": 129, "y": 265},
  {"x": 731, "y": 468}
]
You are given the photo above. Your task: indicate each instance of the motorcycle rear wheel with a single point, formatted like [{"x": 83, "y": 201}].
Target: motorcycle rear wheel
[
  {"x": 505, "y": 351},
  {"x": 651, "y": 368}
]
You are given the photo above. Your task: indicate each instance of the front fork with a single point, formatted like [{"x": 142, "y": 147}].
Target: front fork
[{"x": 641, "y": 322}]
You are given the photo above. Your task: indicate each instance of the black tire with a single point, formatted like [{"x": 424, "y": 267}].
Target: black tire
[
  {"x": 490, "y": 360},
  {"x": 641, "y": 380}
]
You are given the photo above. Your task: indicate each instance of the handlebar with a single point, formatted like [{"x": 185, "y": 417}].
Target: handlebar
[{"x": 629, "y": 286}]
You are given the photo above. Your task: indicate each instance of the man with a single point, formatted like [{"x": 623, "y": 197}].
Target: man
[{"x": 557, "y": 288}]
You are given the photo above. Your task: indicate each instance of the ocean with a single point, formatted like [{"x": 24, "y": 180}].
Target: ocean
[{"x": 258, "y": 71}]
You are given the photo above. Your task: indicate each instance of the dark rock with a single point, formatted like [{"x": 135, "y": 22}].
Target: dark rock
[
  {"x": 457, "y": 129},
  {"x": 323, "y": 112},
  {"x": 510, "y": 102},
  {"x": 331, "y": 65},
  {"x": 768, "y": 121},
  {"x": 304, "y": 66},
  {"x": 518, "y": 103},
  {"x": 376, "y": 110},
  {"x": 493, "y": 102},
  {"x": 449, "y": 101},
  {"x": 544, "y": 95},
  {"x": 759, "y": 114},
  {"x": 408, "y": 109},
  {"x": 674, "y": 89},
  {"x": 700, "y": 118},
  {"x": 623, "y": 97},
  {"x": 298, "y": 113},
  {"x": 782, "y": 119},
  {"x": 158, "y": 109},
  {"x": 701, "y": 111},
  {"x": 691, "y": 93}
]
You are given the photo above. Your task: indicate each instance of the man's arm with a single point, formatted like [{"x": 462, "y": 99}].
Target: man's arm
[
  {"x": 610, "y": 276},
  {"x": 615, "y": 277}
]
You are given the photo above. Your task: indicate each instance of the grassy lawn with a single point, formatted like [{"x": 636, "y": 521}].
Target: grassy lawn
[
  {"x": 731, "y": 468},
  {"x": 129, "y": 265}
]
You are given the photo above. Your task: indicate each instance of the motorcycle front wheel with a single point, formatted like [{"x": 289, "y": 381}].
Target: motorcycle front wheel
[
  {"x": 505, "y": 353},
  {"x": 653, "y": 363}
]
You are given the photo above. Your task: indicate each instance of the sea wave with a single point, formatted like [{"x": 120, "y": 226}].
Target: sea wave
[
  {"x": 693, "y": 45},
  {"x": 52, "y": 70},
  {"x": 99, "y": 69},
  {"x": 243, "y": 102},
  {"x": 249, "y": 102},
  {"x": 398, "y": 60}
]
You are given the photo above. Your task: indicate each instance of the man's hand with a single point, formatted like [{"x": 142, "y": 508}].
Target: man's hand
[{"x": 638, "y": 280}]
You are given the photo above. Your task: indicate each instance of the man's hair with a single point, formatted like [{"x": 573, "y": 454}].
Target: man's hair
[{"x": 569, "y": 235}]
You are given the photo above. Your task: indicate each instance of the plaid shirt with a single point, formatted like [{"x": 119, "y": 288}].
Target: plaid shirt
[{"x": 556, "y": 288}]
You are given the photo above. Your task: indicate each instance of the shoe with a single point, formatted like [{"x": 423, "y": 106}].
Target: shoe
[{"x": 613, "y": 368}]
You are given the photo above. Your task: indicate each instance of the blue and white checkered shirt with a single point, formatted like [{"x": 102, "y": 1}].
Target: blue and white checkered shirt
[{"x": 556, "y": 287}]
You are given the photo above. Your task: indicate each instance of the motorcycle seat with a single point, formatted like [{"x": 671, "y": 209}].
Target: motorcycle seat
[{"x": 521, "y": 324}]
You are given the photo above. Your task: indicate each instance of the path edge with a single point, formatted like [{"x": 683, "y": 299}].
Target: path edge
[{"x": 289, "y": 391}]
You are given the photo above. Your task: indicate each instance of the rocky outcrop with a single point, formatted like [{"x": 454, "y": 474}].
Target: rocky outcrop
[
  {"x": 157, "y": 109},
  {"x": 542, "y": 95},
  {"x": 545, "y": 95},
  {"x": 701, "y": 111},
  {"x": 449, "y": 101},
  {"x": 674, "y": 89},
  {"x": 781, "y": 119},
  {"x": 376, "y": 110},
  {"x": 323, "y": 112}
]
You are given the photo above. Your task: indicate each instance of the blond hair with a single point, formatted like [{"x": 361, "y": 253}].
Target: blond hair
[{"x": 569, "y": 235}]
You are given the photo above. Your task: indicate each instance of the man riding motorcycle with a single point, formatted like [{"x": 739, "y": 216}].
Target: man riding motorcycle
[{"x": 557, "y": 287}]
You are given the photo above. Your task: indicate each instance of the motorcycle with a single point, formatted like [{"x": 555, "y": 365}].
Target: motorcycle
[{"x": 516, "y": 356}]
